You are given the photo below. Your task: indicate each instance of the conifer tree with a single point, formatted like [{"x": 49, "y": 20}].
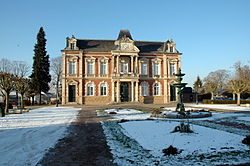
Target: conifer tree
[
  {"x": 197, "y": 87},
  {"x": 40, "y": 76}
]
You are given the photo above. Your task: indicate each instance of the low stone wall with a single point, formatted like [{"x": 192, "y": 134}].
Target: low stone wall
[
  {"x": 151, "y": 99},
  {"x": 96, "y": 100}
]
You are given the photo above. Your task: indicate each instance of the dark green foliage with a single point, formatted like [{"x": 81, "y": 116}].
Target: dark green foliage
[
  {"x": 40, "y": 76},
  {"x": 207, "y": 101}
]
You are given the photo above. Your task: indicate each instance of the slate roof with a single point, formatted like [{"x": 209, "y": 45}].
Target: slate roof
[
  {"x": 125, "y": 33},
  {"x": 90, "y": 45},
  {"x": 97, "y": 45}
]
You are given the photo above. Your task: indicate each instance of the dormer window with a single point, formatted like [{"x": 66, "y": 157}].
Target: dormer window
[
  {"x": 72, "y": 46},
  {"x": 71, "y": 43},
  {"x": 171, "y": 49}
]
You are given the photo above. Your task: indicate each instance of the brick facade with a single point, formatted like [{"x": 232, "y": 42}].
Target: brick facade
[{"x": 122, "y": 70}]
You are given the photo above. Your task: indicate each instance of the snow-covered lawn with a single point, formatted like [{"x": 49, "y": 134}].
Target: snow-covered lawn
[
  {"x": 140, "y": 141},
  {"x": 231, "y": 107},
  {"x": 24, "y": 138}
]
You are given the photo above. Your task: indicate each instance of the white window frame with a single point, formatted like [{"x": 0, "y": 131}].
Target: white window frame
[
  {"x": 72, "y": 67},
  {"x": 90, "y": 68},
  {"x": 172, "y": 68},
  {"x": 87, "y": 73},
  {"x": 156, "y": 62},
  {"x": 144, "y": 68},
  {"x": 105, "y": 86},
  {"x": 156, "y": 92},
  {"x": 144, "y": 89},
  {"x": 103, "y": 68},
  {"x": 124, "y": 67},
  {"x": 156, "y": 67},
  {"x": 90, "y": 89}
]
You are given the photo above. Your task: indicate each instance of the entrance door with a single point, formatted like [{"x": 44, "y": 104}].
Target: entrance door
[
  {"x": 72, "y": 93},
  {"x": 172, "y": 93},
  {"x": 124, "y": 90}
]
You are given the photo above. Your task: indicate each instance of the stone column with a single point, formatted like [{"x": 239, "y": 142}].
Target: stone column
[
  {"x": 112, "y": 65},
  {"x": 136, "y": 91},
  {"x": 64, "y": 95},
  {"x": 113, "y": 92},
  {"x": 117, "y": 64},
  {"x": 80, "y": 91},
  {"x": 118, "y": 92},
  {"x": 132, "y": 64},
  {"x": 165, "y": 66},
  {"x": 136, "y": 65},
  {"x": 132, "y": 91}
]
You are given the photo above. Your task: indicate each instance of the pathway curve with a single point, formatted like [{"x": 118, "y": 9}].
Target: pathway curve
[{"x": 85, "y": 145}]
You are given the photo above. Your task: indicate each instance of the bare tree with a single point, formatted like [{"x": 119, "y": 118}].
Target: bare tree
[
  {"x": 240, "y": 81},
  {"x": 22, "y": 85},
  {"x": 21, "y": 69},
  {"x": 5, "y": 66},
  {"x": 7, "y": 84},
  {"x": 215, "y": 82},
  {"x": 56, "y": 68}
]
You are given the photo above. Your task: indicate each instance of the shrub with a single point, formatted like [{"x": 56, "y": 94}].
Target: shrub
[{"x": 207, "y": 101}]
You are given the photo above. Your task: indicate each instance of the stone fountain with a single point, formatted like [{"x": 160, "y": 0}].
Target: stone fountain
[{"x": 179, "y": 85}]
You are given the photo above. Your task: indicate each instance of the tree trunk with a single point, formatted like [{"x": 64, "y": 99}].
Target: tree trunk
[
  {"x": 238, "y": 99},
  {"x": 212, "y": 95},
  {"x": 6, "y": 109},
  {"x": 57, "y": 86},
  {"x": 40, "y": 98},
  {"x": 22, "y": 106},
  {"x": 196, "y": 96},
  {"x": 17, "y": 98},
  {"x": 33, "y": 100},
  {"x": 233, "y": 96}
]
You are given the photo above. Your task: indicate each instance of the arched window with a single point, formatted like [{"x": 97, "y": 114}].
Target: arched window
[
  {"x": 144, "y": 89},
  {"x": 90, "y": 89},
  {"x": 103, "y": 89},
  {"x": 156, "y": 89}
]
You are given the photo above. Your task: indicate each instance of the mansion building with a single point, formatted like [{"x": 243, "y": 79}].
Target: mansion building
[{"x": 121, "y": 70}]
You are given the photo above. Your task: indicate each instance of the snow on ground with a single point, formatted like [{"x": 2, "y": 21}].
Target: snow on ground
[
  {"x": 221, "y": 106},
  {"x": 140, "y": 141},
  {"x": 156, "y": 135},
  {"x": 24, "y": 138},
  {"x": 122, "y": 111},
  {"x": 129, "y": 114},
  {"x": 244, "y": 118}
]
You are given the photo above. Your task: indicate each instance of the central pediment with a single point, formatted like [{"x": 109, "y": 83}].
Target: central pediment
[{"x": 125, "y": 43}]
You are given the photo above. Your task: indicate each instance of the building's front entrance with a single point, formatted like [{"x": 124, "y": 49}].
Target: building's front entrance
[
  {"x": 124, "y": 92},
  {"x": 72, "y": 93},
  {"x": 172, "y": 93}
]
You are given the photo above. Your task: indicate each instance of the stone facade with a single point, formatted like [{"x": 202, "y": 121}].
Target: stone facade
[{"x": 122, "y": 70}]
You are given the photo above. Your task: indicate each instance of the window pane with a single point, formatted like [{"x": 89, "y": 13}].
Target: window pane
[
  {"x": 144, "y": 69},
  {"x": 103, "y": 89},
  {"x": 90, "y": 90},
  {"x": 144, "y": 89},
  {"x": 71, "y": 67},
  {"x": 103, "y": 68},
  {"x": 156, "y": 89},
  {"x": 156, "y": 69},
  {"x": 172, "y": 68},
  {"x": 90, "y": 68}
]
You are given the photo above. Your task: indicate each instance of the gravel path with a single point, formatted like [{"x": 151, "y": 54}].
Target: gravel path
[{"x": 85, "y": 145}]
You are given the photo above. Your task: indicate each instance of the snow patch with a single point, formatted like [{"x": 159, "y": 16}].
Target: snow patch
[{"x": 26, "y": 137}]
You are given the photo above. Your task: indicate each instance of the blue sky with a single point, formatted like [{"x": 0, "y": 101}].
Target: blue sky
[{"x": 211, "y": 34}]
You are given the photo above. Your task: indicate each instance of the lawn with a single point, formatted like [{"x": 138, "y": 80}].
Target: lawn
[{"x": 137, "y": 139}]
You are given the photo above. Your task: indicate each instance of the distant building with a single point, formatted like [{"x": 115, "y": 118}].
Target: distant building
[
  {"x": 121, "y": 70},
  {"x": 188, "y": 95}
]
